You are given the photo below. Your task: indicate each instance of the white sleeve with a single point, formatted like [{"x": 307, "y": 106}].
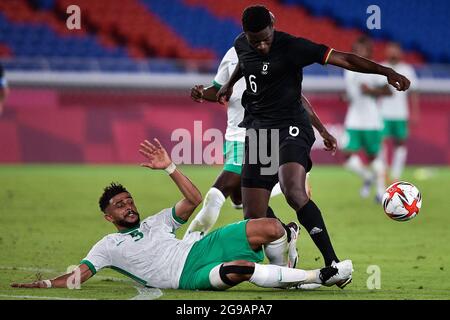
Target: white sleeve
[
  {"x": 98, "y": 257},
  {"x": 379, "y": 80},
  {"x": 167, "y": 217},
  {"x": 412, "y": 76},
  {"x": 223, "y": 74},
  {"x": 352, "y": 87}
]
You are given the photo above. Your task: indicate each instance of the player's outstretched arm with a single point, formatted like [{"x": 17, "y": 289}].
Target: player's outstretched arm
[
  {"x": 199, "y": 93},
  {"x": 158, "y": 158},
  {"x": 329, "y": 140},
  {"x": 356, "y": 63},
  {"x": 81, "y": 274}
]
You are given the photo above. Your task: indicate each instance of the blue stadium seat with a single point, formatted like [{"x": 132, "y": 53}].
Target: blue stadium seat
[
  {"x": 416, "y": 24},
  {"x": 196, "y": 25}
]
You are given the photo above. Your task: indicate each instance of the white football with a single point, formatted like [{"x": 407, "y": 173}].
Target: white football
[{"x": 402, "y": 201}]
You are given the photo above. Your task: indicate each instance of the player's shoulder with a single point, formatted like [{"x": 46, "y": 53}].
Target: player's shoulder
[
  {"x": 153, "y": 217},
  {"x": 230, "y": 55},
  {"x": 240, "y": 40}
]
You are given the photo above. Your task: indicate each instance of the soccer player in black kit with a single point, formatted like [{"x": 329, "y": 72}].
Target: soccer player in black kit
[{"x": 271, "y": 62}]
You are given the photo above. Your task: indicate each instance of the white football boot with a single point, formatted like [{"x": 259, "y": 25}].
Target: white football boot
[{"x": 339, "y": 274}]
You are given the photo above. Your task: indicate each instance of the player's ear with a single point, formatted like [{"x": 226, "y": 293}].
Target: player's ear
[{"x": 108, "y": 217}]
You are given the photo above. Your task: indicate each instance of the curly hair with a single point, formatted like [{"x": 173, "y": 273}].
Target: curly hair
[
  {"x": 256, "y": 18},
  {"x": 108, "y": 193}
]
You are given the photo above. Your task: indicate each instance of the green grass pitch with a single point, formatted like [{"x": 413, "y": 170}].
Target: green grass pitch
[{"x": 50, "y": 219}]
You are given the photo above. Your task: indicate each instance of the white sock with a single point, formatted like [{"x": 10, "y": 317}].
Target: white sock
[
  {"x": 398, "y": 162},
  {"x": 276, "y": 190},
  {"x": 209, "y": 214},
  {"x": 277, "y": 251},
  {"x": 270, "y": 276},
  {"x": 355, "y": 165},
  {"x": 379, "y": 170}
]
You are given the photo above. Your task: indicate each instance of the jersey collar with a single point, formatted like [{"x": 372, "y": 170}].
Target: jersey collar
[{"x": 129, "y": 230}]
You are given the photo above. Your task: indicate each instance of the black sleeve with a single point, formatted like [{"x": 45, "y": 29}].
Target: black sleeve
[
  {"x": 1, "y": 71},
  {"x": 239, "y": 43},
  {"x": 304, "y": 52}
]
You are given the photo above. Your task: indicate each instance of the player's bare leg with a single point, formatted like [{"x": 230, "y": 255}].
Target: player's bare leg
[
  {"x": 227, "y": 183},
  {"x": 277, "y": 189},
  {"x": 354, "y": 164},
  {"x": 398, "y": 159},
  {"x": 378, "y": 167},
  {"x": 236, "y": 197},
  {"x": 255, "y": 202}
]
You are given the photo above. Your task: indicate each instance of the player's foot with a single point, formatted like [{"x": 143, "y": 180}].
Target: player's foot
[
  {"x": 364, "y": 192},
  {"x": 378, "y": 198},
  {"x": 339, "y": 274},
  {"x": 292, "y": 251}
]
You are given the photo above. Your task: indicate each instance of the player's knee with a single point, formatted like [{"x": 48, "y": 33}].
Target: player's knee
[
  {"x": 231, "y": 273},
  {"x": 273, "y": 229},
  {"x": 296, "y": 197}
]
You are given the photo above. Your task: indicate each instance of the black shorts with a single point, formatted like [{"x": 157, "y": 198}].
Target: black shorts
[{"x": 294, "y": 145}]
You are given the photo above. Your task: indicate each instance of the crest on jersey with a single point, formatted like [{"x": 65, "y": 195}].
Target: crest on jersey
[{"x": 265, "y": 68}]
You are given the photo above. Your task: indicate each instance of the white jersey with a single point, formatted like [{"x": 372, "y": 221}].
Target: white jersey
[
  {"x": 235, "y": 112},
  {"x": 149, "y": 254},
  {"x": 363, "y": 112},
  {"x": 395, "y": 107}
]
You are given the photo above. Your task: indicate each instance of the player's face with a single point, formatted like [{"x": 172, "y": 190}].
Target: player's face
[
  {"x": 122, "y": 211},
  {"x": 261, "y": 40},
  {"x": 393, "y": 53},
  {"x": 363, "y": 50}
]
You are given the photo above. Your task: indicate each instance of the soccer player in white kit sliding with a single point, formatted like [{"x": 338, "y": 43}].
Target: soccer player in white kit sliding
[
  {"x": 149, "y": 253},
  {"x": 395, "y": 111},
  {"x": 364, "y": 123}
]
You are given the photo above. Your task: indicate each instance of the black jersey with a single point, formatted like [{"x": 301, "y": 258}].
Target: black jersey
[{"x": 273, "y": 95}]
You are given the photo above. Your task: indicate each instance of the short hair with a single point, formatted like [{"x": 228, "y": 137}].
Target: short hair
[
  {"x": 108, "y": 193},
  {"x": 255, "y": 18},
  {"x": 362, "y": 40}
]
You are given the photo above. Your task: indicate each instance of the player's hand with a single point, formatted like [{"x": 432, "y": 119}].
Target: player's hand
[
  {"x": 224, "y": 94},
  {"x": 36, "y": 284},
  {"x": 156, "y": 155},
  {"x": 197, "y": 93},
  {"x": 398, "y": 81},
  {"x": 329, "y": 141}
]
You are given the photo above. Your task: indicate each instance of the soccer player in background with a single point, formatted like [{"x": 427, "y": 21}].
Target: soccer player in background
[
  {"x": 271, "y": 62},
  {"x": 4, "y": 90},
  {"x": 149, "y": 253},
  {"x": 364, "y": 123},
  {"x": 395, "y": 111}
]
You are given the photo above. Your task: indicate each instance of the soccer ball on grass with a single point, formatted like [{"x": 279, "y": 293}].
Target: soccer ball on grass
[{"x": 402, "y": 201}]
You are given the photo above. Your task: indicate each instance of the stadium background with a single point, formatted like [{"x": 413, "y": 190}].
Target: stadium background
[
  {"x": 77, "y": 95},
  {"x": 90, "y": 96}
]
